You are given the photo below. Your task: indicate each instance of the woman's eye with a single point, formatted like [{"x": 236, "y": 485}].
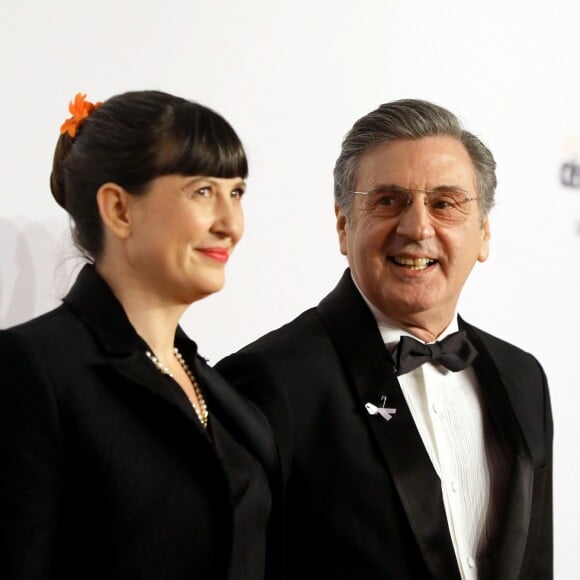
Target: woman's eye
[
  {"x": 204, "y": 191},
  {"x": 238, "y": 193}
]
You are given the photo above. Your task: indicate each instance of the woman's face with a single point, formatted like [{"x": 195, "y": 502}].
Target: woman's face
[{"x": 183, "y": 231}]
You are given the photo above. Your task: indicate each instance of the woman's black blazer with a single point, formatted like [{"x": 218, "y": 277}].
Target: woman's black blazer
[{"x": 106, "y": 473}]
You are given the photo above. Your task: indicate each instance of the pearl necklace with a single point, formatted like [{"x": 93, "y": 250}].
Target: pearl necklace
[{"x": 201, "y": 412}]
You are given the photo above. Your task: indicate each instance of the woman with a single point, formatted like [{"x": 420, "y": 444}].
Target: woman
[{"x": 124, "y": 455}]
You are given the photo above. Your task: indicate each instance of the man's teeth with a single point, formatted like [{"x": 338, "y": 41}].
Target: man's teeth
[{"x": 414, "y": 263}]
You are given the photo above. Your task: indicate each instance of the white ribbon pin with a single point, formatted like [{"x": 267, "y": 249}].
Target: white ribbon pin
[{"x": 385, "y": 412}]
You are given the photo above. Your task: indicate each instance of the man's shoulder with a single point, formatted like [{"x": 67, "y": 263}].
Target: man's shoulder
[
  {"x": 304, "y": 327},
  {"x": 505, "y": 354},
  {"x": 341, "y": 306}
]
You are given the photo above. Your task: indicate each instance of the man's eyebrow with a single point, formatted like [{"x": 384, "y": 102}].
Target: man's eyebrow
[
  {"x": 388, "y": 187},
  {"x": 394, "y": 187},
  {"x": 452, "y": 187}
]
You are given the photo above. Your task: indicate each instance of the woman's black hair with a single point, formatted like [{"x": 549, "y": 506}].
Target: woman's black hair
[{"x": 131, "y": 139}]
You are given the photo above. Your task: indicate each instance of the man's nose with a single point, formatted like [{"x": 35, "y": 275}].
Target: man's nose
[{"x": 415, "y": 221}]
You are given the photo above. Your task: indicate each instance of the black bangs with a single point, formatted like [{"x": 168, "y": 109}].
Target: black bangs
[
  {"x": 130, "y": 140},
  {"x": 197, "y": 141}
]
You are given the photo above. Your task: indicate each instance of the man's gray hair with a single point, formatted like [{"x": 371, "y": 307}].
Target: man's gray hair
[{"x": 409, "y": 119}]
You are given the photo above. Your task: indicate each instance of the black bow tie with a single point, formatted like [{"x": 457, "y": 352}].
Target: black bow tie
[{"x": 454, "y": 352}]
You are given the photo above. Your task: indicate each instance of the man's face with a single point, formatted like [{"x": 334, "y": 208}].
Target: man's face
[{"x": 412, "y": 266}]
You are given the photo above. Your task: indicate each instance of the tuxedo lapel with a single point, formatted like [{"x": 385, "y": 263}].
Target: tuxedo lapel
[
  {"x": 357, "y": 340},
  {"x": 510, "y": 544},
  {"x": 507, "y": 557}
]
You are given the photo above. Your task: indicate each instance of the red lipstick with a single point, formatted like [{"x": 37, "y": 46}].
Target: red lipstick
[{"x": 219, "y": 254}]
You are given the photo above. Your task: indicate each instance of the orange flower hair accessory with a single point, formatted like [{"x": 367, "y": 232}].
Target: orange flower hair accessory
[{"x": 80, "y": 109}]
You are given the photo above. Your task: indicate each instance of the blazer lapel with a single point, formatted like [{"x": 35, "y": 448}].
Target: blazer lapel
[
  {"x": 247, "y": 424},
  {"x": 137, "y": 371},
  {"x": 123, "y": 350},
  {"x": 242, "y": 418},
  {"x": 358, "y": 342},
  {"x": 93, "y": 301}
]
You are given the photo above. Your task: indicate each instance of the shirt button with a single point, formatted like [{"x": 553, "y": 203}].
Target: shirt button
[
  {"x": 436, "y": 408},
  {"x": 454, "y": 486},
  {"x": 471, "y": 562}
]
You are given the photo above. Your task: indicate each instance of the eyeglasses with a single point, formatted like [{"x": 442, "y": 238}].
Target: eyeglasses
[{"x": 444, "y": 204}]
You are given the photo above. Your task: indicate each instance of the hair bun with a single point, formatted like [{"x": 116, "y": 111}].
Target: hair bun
[{"x": 57, "y": 180}]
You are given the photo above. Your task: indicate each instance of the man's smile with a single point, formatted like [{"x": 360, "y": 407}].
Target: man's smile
[{"x": 413, "y": 263}]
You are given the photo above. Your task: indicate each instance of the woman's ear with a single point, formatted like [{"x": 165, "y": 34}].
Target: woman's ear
[{"x": 114, "y": 202}]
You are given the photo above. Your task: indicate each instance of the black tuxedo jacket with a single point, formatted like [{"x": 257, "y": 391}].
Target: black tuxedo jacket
[
  {"x": 363, "y": 500},
  {"x": 106, "y": 472}
]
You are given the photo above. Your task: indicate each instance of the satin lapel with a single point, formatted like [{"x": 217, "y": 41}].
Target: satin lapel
[
  {"x": 357, "y": 340},
  {"x": 508, "y": 552}
]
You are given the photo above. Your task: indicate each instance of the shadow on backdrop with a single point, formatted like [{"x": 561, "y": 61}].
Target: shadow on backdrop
[{"x": 37, "y": 266}]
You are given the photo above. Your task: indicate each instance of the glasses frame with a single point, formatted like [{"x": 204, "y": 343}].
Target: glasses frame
[{"x": 410, "y": 197}]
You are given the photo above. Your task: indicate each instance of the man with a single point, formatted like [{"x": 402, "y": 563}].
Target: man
[{"x": 403, "y": 461}]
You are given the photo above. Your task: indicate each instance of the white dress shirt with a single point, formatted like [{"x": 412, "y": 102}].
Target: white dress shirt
[{"x": 452, "y": 420}]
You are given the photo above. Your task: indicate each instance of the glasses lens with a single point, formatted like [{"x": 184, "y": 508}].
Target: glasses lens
[
  {"x": 387, "y": 202},
  {"x": 444, "y": 205},
  {"x": 448, "y": 205}
]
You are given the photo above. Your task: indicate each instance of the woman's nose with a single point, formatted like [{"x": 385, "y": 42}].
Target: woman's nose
[{"x": 229, "y": 218}]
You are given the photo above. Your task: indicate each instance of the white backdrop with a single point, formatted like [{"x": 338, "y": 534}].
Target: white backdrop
[{"x": 292, "y": 77}]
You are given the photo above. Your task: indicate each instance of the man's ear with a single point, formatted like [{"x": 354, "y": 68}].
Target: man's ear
[
  {"x": 341, "y": 228},
  {"x": 114, "y": 202},
  {"x": 485, "y": 237}
]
